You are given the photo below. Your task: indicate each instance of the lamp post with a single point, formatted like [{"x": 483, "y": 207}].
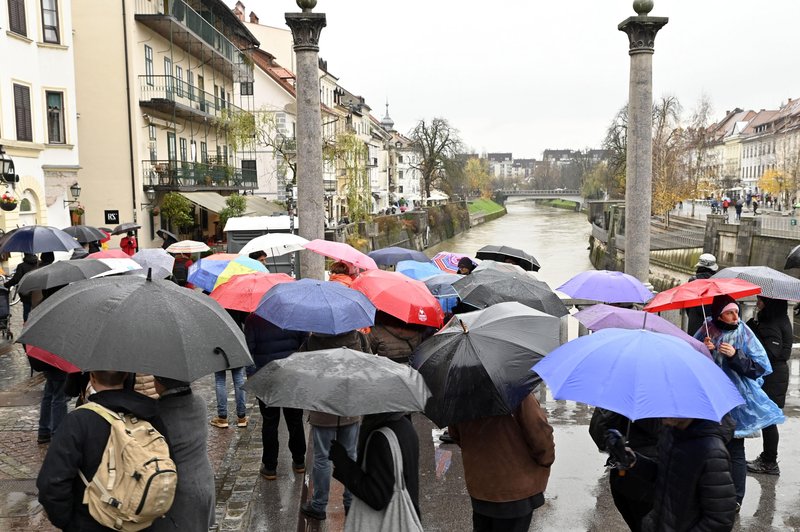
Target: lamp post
[
  {"x": 7, "y": 170},
  {"x": 150, "y": 194},
  {"x": 75, "y": 190}
]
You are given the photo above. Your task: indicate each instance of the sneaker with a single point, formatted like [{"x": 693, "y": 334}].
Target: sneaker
[
  {"x": 760, "y": 466},
  {"x": 308, "y": 511},
  {"x": 298, "y": 467},
  {"x": 444, "y": 437},
  {"x": 219, "y": 422},
  {"x": 242, "y": 422},
  {"x": 268, "y": 474}
]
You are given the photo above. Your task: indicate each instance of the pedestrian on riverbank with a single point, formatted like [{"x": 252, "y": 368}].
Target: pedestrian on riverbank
[
  {"x": 342, "y": 272},
  {"x": 706, "y": 267},
  {"x": 772, "y": 327},
  {"x": 755, "y": 207}
]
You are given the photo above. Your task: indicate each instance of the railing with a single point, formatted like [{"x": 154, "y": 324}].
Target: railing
[
  {"x": 554, "y": 192},
  {"x": 183, "y": 174},
  {"x": 780, "y": 226},
  {"x": 180, "y": 92}
]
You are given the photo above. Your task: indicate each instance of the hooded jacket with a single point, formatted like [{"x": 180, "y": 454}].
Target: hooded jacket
[
  {"x": 29, "y": 263},
  {"x": 774, "y": 330}
]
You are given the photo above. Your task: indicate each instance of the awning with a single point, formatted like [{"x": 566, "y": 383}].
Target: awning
[
  {"x": 258, "y": 206},
  {"x": 215, "y": 202}
]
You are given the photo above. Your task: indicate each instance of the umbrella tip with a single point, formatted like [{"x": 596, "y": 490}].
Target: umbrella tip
[{"x": 149, "y": 274}]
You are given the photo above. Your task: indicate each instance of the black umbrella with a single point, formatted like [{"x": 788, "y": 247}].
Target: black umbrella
[
  {"x": 124, "y": 228},
  {"x": 502, "y": 253},
  {"x": 340, "y": 381},
  {"x": 85, "y": 233},
  {"x": 61, "y": 273},
  {"x": 479, "y": 364},
  {"x": 139, "y": 325},
  {"x": 793, "y": 259},
  {"x": 488, "y": 287},
  {"x": 392, "y": 255},
  {"x": 166, "y": 235},
  {"x": 38, "y": 239}
]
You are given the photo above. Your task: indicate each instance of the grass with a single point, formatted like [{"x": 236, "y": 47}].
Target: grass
[
  {"x": 560, "y": 204},
  {"x": 484, "y": 206}
]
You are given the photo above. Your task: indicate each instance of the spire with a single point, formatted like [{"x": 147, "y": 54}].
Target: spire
[{"x": 387, "y": 122}]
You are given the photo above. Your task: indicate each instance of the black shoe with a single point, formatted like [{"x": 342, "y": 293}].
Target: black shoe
[
  {"x": 308, "y": 511},
  {"x": 298, "y": 467},
  {"x": 762, "y": 467},
  {"x": 444, "y": 437},
  {"x": 42, "y": 439},
  {"x": 268, "y": 474}
]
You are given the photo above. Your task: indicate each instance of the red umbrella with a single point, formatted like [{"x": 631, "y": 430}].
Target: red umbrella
[
  {"x": 341, "y": 251},
  {"x": 109, "y": 254},
  {"x": 701, "y": 292},
  {"x": 401, "y": 296},
  {"x": 244, "y": 292},
  {"x": 49, "y": 358}
]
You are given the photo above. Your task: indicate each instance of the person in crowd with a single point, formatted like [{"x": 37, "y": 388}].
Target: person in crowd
[
  {"x": 238, "y": 377},
  {"x": 180, "y": 270},
  {"x": 78, "y": 447},
  {"x": 691, "y": 476},
  {"x": 94, "y": 247},
  {"x": 183, "y": 416},
  {"x": 128, "y": 244},
  {"x": 507, "y": 463},
  {"x": 326, "y": 427},
  {"x": 465, "y": 266},
  {"x": 725, "y": 204},
  {"x": 260, "y": 256},
  {"x": 342, "y": 272},
  {"x": 29, "y": 263},
  {"x": 738, "y": 206},
  {"x": 371, "y": 477},
  {"x": 268, "y": 342},
  {"x": 755, "y": 207},
  {"x": 706, "y": 267},
  {"x": 738, "y": 352},
  {"x": 393, "y": 338},
  {"x": 773, "y": 329}
]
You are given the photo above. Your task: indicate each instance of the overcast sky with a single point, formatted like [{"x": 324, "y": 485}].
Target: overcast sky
[{"x": 525, "y": 75}]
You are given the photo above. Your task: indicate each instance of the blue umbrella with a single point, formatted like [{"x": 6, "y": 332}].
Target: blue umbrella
[
  {"x": 316, "y": 306},
  {"x": 38, "y": 239},
  {"x": 441, "y": 286},
  {"x": 205, "y": 272},
  {"x": 639, "y": 374},
  {"x": 417, "y": 270},
  {"x": 607, "y": 286},
  {"x": 392, "y": 255}
]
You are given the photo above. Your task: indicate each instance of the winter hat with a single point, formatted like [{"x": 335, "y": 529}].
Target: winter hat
[
  {"x": 466, "y": 262},
  {"x": 721, "y": 304},
  {"x": 707, "y": 260}
]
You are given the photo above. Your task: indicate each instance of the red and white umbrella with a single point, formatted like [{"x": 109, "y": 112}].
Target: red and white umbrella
[
  {"x": 343, "y": 252},
  {"x": 400, "y": 296},
  {"x": 188, "y": 246}
]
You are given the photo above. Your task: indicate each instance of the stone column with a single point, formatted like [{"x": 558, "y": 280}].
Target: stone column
[
  {"x": 641, "y": 31},
  {"x": 306, "y": 28}
]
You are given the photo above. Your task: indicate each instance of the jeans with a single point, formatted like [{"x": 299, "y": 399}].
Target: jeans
[
  {"x": 269, "y": 435},
  {"x": 26, "y": 308},
  {"x": 738, "y": 466},
  {"x": 53, "y": 408},
  {"x": 237, "y": 375},
  {"x": 321, "y": 471}
]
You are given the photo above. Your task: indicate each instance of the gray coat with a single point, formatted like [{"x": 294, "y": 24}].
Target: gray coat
[{"x": 184, "y": 416}]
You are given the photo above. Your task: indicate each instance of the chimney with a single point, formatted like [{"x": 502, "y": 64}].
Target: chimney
[
  {"x": 238, "y": 11},
  {"x": 253, "y": 17}
]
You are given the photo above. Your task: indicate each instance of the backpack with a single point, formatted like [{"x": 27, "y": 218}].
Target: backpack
[
  {"x": 136, "y": 480},
  {"x": 180, "y": 273}
]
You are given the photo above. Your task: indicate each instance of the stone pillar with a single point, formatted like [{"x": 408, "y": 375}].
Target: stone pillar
[
  {"x": 641, "y": 31},
  {"x": 306, "y": 28},
  {"x": 744, "y": 241},
  {"x": 711, "y": 239}
]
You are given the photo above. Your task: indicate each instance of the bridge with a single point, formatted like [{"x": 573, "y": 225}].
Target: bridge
[{"x": 502, "y": 195}]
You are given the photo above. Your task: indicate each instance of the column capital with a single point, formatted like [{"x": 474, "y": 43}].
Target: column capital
[
  {"x": 641, "y": 32},
  {"x": 306, "y": 28}
]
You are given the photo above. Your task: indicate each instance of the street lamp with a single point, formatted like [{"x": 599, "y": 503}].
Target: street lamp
[
  {"x": 7, "y": 171},
  {"x": 150, "y": 194},
  {"x": 75, "y": 190}
]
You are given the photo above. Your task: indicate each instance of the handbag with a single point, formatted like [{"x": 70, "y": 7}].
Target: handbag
[{"x": 399, "y": 515}]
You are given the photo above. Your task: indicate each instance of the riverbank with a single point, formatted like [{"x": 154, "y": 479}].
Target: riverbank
[
  {"x": 560, "y": 204},
  {"x": 484, "y": 210}
]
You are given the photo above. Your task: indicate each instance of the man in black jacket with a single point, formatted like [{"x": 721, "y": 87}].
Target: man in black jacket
[
  {"x": 706, "y": 267},
  {"x": 29, "y": 263},
  {"x": 78, "y": 446}
]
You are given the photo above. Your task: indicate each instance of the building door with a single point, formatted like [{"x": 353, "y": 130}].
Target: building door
[
  {"x": 169, "y": 82},
  {"x": 201, "y": 95}
]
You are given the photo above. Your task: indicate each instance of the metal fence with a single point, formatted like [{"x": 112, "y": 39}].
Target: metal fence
[{"x": 780, "y": 226}]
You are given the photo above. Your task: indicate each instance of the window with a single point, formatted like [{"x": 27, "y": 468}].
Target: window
[
  {"x": 179, "y": 83},
  {"x": 168, "y": 76},
  {"x": 148, "y": 64},
  {"x": 171, "y": 152},
  {"x": 249, "y": 170},
  {"x": 184, "y": 153},
  {"x": 246, "y": 88},
  {"x": 216, "y": 97},
  {"x": 222, "y": 97},
  {"x": 50, "y": 21},
  {"x": 16, "y": 17},
  {"x": 22, "y": 112},
  {"x": 190, "y": 82},
  {"x": 55, "y": 118},
  {"x": 193, "y": 151},
  {"x": 203, "y": 152},
  {"x": 153, "y": 144}
]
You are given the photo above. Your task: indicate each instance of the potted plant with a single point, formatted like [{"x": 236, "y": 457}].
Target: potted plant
[
  {"x": 78, "y": 210},
  {"x": 8, "y": 202}
]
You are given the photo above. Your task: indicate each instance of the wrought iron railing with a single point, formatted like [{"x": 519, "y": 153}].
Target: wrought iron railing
[
  {"x": 172, "y": 89},
  {"x": 184, "y": 174}
]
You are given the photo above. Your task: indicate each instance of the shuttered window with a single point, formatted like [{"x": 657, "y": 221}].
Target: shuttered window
[
  {"x": 16, "y": 16},
  {"x": 22, "y": 112}
]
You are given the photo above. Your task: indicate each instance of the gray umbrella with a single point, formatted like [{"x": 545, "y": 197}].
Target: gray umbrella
[
  {"x": 85, "y": 233},
  {"x": 774, "y": 284},
  {"x": 340, "y": 381},
  {"x": 124, "y": 228},
  {"x": 61, "y": 273},
  {"x": 138, "y": 325},
  {"x": 155, "y": 259},
  {"x": 488, "y": 287}
]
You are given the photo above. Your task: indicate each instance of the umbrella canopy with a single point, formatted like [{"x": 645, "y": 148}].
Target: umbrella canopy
[
  {"x": 392, "y": 255},
  {"x": 316, "y": 306},
  {"x": 340, "y": 381},
  {"x": 124, "y": 228},
  {"x": 441, "y": 286},
  {"x": 117, "y": 266},
  {"x": 639, "y": 374},
  {"x": 167, "y": 236},
  {"x": 503, "y": 253},
  {"x": 49, "y": 358},
  {"x": 793, "y": 259},
  {"x": 109, "y": 254},
  {"x": 417, "y": 270},
  {"x": 341, "y": 251},
  {"x": 275, "y": 244},
  {"x": 211, "y": 272},
  {"x": 700, "y": 292},
  {"x": 478, "y": 364},
  {"x": 400, "y": 296},
  {"x": 38, "y": 239},
  {"x": 489, "y": 287},
  {"x": 500, "y": 266},
  {"x": 134, "y": 324},
  {"x": 239, "y": 266},
  {"x": 157, "y": 260},
  {"x": 85, "y": 233},
  {"x": 774, "y": 284},
  {"x": 187, "y": 246},
  {"x": 607, "y": 286},
  {"x": 61, "y": 273},
  {"x": 244, "y": 292},
  {"x": 600, "y": 316},
  {"x": 446, "y": 261}
]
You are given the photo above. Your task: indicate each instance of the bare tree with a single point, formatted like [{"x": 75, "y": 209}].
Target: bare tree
[
  {"x": 700, "y": 169},
  {"x": 437, "y": 144},
  {"x": 616, "y": 143},
  {"x": 669, "y": 174}
]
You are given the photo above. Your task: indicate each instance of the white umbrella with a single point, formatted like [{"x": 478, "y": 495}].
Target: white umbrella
[
  {"x": 187, "y": 246},
  {"x": 157, "y": 259},
  {"x": 118, "y": 266},
  {"x": 275, "y": 244}
]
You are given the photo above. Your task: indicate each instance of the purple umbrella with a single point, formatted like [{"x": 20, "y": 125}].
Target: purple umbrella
[
  {"x": 599, "y": 317},
  {"x": 606, "y": 286}
]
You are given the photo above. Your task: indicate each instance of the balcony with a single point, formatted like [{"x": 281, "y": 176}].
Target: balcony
[
  {"x": 168, "y": 94},
  {"x": 192, "y": 177}
]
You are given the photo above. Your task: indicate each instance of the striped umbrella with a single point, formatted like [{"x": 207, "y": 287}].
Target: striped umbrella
[
  {"x": 448, "y": 262},
  {"x": 774, "y": 284},
  {"x": 188, "y": 246},
  {"x": 207, "y": 273}
]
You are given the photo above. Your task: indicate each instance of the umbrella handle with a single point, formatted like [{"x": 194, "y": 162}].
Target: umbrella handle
[
  {"x": 463, "y": 326},
  {"x": 220, "y": 351}
]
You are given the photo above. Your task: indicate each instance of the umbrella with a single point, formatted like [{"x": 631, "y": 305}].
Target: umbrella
[
  {"x": 124, "y": 228},
  {"x": 187, "y": 246},
  {"x": 793, "y": 259},
  {"x": 239, "y": 266},
  {"x": 157, "y": 260},
  {"x": 38, "y": 239},
  {"x": 417, "y": 270},
  {"x": 404, "y": 298},
  {"x": 117, "y": 266},
  {"x": 700, "y": 292},
  {"x": 316, "y": 306},
  {"x": 340, "y": 381},
  {"x": 109, "y": 254},
  {"x": 441, "y": 286},
  {"x": 392, "y": 255},
  {"x": 500, "y": 266},
  {"x": 340, "y": 251},
  {"x": 601, "y": 316},
  {"x": 606, "y": 286},
  {"x": 274, "y": 244},
  {"x": 478, "y": 365},
  {"x": 244, "y": 292},
  {"x": 61, "y": 273},
  {"x": 49, "y": 358},
  {"x": 488, "y": 287},
  {"x": 166, "y": 235},
  {"x": 85, "y": 233},
  {"x": 139, "y": 325},
  {"x": 210, "y": 272},
  {"x": 447, "y": 262},
  {"x": 774, "y": 284},
  {"x": 639, "y": 374},
  {"x": 501, "y": 253}
]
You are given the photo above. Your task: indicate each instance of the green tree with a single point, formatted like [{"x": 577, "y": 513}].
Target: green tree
[
  {"x": 476, "y": 173},
  {"x": 235, "y": 205},
  {"x": 177, "y": 210},
  {"x": 350, "y": 154}
]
